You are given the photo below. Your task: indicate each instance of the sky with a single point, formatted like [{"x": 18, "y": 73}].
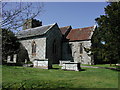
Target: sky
[{"x": 76, "y": 14}]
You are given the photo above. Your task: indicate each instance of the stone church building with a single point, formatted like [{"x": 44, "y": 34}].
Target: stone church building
[
  {"x": 78, "y": 40},
  {"x": 51, "y": 44}
]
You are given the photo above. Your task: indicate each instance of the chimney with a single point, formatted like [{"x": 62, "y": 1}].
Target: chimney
[{"x": 31, "y": 23}]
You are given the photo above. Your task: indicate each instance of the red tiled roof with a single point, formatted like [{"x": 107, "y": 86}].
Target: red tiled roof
[
  {"x": 65, "y": 29},
  {"x": 80, "y": 33}
]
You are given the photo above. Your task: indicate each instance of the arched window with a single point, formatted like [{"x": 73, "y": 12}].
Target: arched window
[
  {"x": 33, "y": 48},
  {"x": 81, "y": 48}
]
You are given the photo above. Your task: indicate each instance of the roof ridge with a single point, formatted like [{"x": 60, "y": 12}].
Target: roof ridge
[
  {"x": 49, "y": 28},
  {"x": 82, "y": 28},
  {"x": 37, "y": 27},
  {"x": 65, "y": 26}
]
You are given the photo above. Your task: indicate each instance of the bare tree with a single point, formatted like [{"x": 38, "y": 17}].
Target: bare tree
[{"x": 14, "y": 13}]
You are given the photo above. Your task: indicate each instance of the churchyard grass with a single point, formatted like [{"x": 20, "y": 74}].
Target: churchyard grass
[
  {"x": 28, "y": 77},
  {"x": 100, "y": 65}
]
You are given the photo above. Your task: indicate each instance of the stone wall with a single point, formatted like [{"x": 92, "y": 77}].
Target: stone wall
[
  {"x": 83, "y": 57},
  {"x": 48, "y": 46},
  {"x": 40, "y": 47},
  {"x": 78, "y": 57}
]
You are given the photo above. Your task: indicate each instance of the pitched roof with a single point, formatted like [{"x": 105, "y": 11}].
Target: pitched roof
[
  {"x": 65, "y": 29},
  {"x": 34, "y": 31},
  {"x": 80, "y": 33}
]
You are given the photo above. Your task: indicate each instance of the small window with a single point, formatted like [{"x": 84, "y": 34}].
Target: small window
[
  {"x": 81, "y": 48},
  {"x": 33, "y": 48}
]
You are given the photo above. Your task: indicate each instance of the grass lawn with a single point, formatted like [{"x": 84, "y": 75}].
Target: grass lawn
[
  {"x": 28, "y": 77},
  {"x": 100, "y": 65}
]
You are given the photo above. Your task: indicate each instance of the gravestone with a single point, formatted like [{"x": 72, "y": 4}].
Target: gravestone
[
  {"x": 8, "y": 58},
  {"x": 14, "y": 58},
  {"x": 25, "y": 60}
]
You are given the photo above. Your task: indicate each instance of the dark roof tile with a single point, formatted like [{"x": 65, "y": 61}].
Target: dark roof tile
[{"x": 33, "y": 31}]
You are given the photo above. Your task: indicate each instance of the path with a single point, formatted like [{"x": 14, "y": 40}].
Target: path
[{"x": 113, "y": 68}]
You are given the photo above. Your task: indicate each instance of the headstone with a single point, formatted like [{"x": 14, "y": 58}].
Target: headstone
[
  {"x": 8, "y": 58},
  {"x": 15, "y": 58},
  {"x": 25, "y": 60}
]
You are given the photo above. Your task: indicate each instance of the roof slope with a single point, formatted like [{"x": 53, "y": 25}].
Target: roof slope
[
  {"x": 34, "y": 31},
  {"x": 81, "y": 33},
  {"x": 65, "y": 30}
]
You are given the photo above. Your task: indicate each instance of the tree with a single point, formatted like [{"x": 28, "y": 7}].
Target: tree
[
  {"x": 105, "y": 41},
  {"x": 14, "y": 14},
  {"x": 10, "y": 44}
]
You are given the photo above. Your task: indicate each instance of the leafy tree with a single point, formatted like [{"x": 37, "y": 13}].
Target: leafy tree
[
  {"x": 10, "y": 44},
  {"x": 106, "y": 39}
]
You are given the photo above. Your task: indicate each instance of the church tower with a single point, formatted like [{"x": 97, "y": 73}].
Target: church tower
[{"x": 31, "y": 23}]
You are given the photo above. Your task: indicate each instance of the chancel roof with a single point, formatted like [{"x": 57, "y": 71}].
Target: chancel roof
[
  {"x": 81, "y": 33},
  {"x": 34, "y": 31}
]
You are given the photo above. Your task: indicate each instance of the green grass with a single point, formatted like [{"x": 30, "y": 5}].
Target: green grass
[
  {"x": 28, "y": 77},
  {"x": 100, "y": 65}
]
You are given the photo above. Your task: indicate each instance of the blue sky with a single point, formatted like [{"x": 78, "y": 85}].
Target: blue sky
[{"x": 76, "y": 14}]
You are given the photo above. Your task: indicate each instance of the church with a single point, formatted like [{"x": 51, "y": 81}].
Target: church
[{"x": 45, "y": 45}]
